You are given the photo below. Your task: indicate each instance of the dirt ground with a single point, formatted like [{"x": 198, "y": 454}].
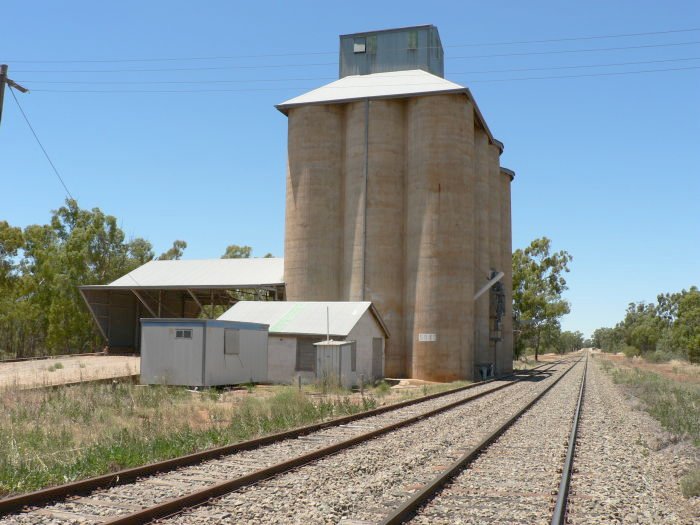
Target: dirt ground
[
  {"x": 62, "y": 370},
  {"x": 674, "y": 370}
]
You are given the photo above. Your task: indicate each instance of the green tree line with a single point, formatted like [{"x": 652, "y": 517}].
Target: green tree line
[
  {"x": 41, "y": 267},
  {"x": 669, "y": 328}
]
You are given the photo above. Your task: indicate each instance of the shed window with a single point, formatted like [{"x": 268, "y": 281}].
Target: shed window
[
  {"x": 372, "y": 45},
  {"x": 306, "y": 356},
  {"x": 353, "y": 357},
  {"x": 359, "y": 45},
  {"x": 232, "y": 342},
  {"x": 413, "y": 40},
  {"x": 183, "y": 334}
]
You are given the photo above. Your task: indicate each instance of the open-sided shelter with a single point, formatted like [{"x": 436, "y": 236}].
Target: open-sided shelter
[{"x": 178, "y": 289}]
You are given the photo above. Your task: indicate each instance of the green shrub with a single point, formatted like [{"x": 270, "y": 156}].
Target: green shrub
[
  {"x": 690, "y": 483},
  {"x": 382, "y": 388},
  {"x": 661, "y": 356},
  {"x": 630, "y": 351}
]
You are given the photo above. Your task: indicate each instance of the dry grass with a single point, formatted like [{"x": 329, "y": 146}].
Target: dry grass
[
  {"x": 675, "y": 404},
  {"x": 56, "y": 435}
]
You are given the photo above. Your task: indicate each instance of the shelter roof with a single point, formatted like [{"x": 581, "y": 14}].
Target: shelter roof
[
  {"x": 303, "y": 318},
  {"x": 392, "y": 84},
  {"x": 202, "y": 273}
]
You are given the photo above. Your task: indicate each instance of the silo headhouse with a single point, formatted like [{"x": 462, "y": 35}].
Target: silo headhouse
[{"x": 395, "y": 195}]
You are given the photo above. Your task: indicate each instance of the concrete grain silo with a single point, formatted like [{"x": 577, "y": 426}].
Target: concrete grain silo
[{"x": 395, "y": 195}]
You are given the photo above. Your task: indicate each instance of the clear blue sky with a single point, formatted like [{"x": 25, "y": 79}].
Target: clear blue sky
[{"x": 607, "y": 166}]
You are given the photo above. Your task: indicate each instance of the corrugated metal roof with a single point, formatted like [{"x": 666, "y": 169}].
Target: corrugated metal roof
[
  {"x": 394, "y": 84},
  {"x": 376, "y": 85},
  {"x": 204, "y": 273},
  {"x": 297, "y": 317}
]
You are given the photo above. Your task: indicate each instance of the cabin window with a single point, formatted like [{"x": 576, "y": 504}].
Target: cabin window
[
  {"x": 359, "y": 45},
  {"x": 183, "y": 334},
  {"x": 232, "y": 342},
  {"x": 306, "y": 356}
]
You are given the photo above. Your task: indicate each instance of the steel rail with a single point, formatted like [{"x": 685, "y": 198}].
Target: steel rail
[
  {"x": 176, "y": 505},
  {"x": 430, "y": 489},
  {"x": 560, "y": 509},
  {"x": 125, "y": 476}
]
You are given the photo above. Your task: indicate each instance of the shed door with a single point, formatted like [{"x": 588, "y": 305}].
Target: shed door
[
  {"x": 377, "y": 357},
  {"x": 328, "y": 362}
]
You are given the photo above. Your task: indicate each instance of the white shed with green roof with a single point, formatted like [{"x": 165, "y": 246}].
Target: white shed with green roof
[{"x": 296, "y": 325}]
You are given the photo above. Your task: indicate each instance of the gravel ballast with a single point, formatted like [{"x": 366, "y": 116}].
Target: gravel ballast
[
  {"x": 625, "y": 472},
  {"x": 515, "y": 479},
  {"x": 364, "y": 483}
]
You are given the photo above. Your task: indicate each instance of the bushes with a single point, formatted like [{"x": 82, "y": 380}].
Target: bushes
[
  {"x": 673, "y": 404},
  {"x": 630, "y": 351}
]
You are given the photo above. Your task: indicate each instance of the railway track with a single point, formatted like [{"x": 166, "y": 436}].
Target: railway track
[
  {"x": 368, "y": 483},
  {"x": 138, "y": 494},
  {"x": 519, "y": 474}
]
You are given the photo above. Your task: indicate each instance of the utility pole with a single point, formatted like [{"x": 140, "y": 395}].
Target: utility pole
[{"x": 5, "y": 80}]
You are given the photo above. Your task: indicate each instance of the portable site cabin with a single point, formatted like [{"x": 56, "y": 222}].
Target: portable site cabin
[
  {"x": 202, "y": 352},
  {"x": 296, "y": 325}
]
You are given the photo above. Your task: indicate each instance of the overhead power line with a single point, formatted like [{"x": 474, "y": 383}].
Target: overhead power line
[
  {"x": 267, "y": 66},
  {"x": 587, "y": 50},
  {"x": 606, "y": 74},
  {"x": 572, "y": 39},
  {"x": 150, "y": 70},
  {"x": 242, "y": 90},
  {"x": 302, "y": 79},
  {"x": 41, "y": 145},
  {"x": 318, "y": 53}
]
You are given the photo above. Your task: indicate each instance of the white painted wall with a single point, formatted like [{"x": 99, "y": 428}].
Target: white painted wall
[
  {"x": 363, "y": 332},
  {"x": 281, "y": 360},
  {"x": 281, "y": 353}
]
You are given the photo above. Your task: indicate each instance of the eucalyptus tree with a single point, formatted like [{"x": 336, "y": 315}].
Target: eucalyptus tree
[{"x": 538, "y": 285}]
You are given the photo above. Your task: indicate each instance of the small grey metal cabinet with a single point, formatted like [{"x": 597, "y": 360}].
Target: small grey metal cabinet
[{"x": 337, "y": 361}]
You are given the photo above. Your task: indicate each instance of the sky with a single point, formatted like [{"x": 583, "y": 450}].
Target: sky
[{"x": 190, "y": 146}]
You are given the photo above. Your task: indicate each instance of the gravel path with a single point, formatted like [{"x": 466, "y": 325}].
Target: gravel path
[
  {"x": 120, "y": 500},
  {"x": 621, "y": 478},
  {"x": 43, "y": 372},
  {"x": 361, "y": 484},
  {"x": 513, "y": 481}
]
